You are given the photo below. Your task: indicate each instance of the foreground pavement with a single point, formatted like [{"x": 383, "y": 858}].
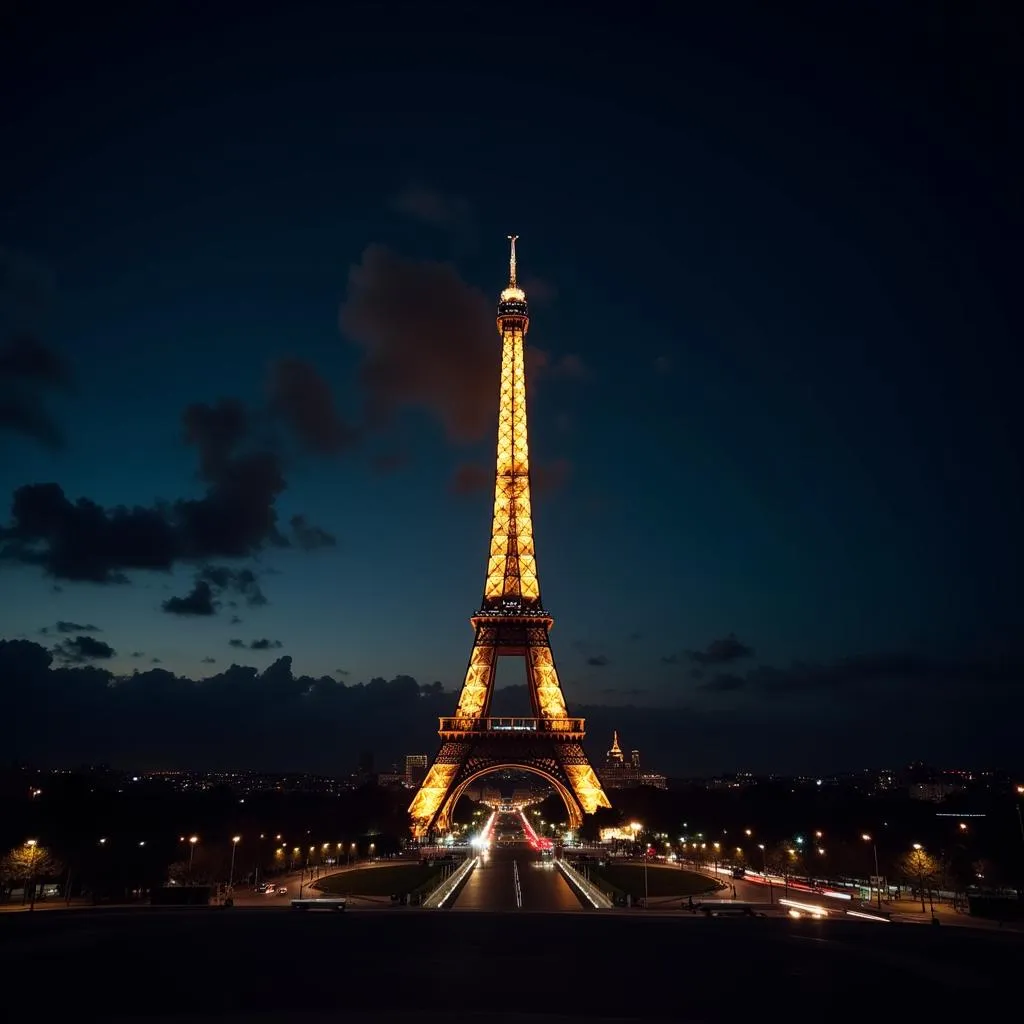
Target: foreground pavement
[{"x": 214, "y": 963}]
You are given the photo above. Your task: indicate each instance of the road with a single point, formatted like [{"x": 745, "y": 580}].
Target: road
[
  {"x": 200, "y": 965},
  {"x": 516, "y": 878}
]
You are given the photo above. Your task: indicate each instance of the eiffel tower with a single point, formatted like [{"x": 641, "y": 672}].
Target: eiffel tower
[{"x": 511, "y": 622}]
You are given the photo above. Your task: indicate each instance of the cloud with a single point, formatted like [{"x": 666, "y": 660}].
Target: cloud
[
  {"x": 138, "y": 654},
  {"x": 154, "y": 716},
  {"x": 428, "y": 343},
  {"x": 724, "y": 682},
  {"x": 209, "y": 661},
  {"x": 309, "y": 537},
  {"x": 30, "y": 371},
  {"x": 342, "y": 672},
  {"x": 234, "y": 519},
  {"x": 243, "y": 582},
  {"x": 429, "y": 206},
  {"x": 721, "y": 652},
  {"x": 265, "y": 645},
  {"x": 256, "y": 645},
  {"x": 663, "y": 365},
  {"x": 199, "y": 601},
  {"x": 598, "y": 660},
  {"x": 304, "y": 400},
  {"x": 63, "y": 626},
  {"x": 855, "y": 676},
  {"x": 235, "y": 620},
  {"x": 80, "y": 649}
]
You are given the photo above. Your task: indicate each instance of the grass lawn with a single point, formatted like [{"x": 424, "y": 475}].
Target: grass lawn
[
  {"x": 661, "y": 881},
  {"x": 379, "y": 881}
]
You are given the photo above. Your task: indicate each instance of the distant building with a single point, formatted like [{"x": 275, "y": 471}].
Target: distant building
[
  {"x": 618, "y": 773},
  {"x": 415, "y": 769}
]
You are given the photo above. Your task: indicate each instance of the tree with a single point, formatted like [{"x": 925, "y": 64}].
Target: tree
[
  {"x": 920, "y": 868},
  {"x": 26, "y": 863}
]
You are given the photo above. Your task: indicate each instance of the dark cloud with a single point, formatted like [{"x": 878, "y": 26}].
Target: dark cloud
[
  {"x": 598, "y": 660},
  {"x": 243, "y": 582},
  {"x": 670, "y": 659},
  {"x": 429, "y": 206},
  {"x": 309, "y": 537},
  {"x": 721, "y": 652},
  {"x": 235, "y": 518},
  {"x": 265, "y": 645},
  {"x": 63, "y": 626},
  {"x": 138, "y": 654},
  {"x": 82, "y": 649},
  {"x": 633, "y": 637},
  {"x": 155, "y": 716},
  {"x": 883, "y": 673},
  {"x": 303, "y": 399},
  {"x": 615, "y": 691},
  {"x": 428, "y": 342},
  {"x": 235, "y": 620},
  {"x": 154, "y": 661},
  {"x": 209, "y": 661},
  {"x": 198, "y": 601},
  {"x": 30, "y": 371},
  {"x": 256, "y": 645},
  {"x": 724, "y": 682},
  {"x": 342, "y": 672}
]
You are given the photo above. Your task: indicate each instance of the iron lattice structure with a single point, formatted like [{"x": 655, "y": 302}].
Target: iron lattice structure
[{"x": 511, "y": 622}]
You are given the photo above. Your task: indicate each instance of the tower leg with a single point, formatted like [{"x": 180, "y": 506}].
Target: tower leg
[
  {"x": 436, "y": 789},
  {"x": 582, "y": 778}
]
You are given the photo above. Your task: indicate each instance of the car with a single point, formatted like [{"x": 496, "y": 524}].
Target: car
[{"x": 282, "y": 890}]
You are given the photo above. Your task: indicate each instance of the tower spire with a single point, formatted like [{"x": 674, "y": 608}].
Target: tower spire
[{"x": 512, "y": 263}]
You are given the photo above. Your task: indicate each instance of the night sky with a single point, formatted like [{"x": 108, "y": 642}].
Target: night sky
[{"x": 249, "y": 262}]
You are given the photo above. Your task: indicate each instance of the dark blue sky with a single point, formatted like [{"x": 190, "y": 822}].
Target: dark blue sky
[{"x": 773, "y": 265}]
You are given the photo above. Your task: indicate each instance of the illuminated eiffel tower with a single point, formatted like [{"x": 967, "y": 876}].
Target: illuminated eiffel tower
[{"x": 511, "y": 622}]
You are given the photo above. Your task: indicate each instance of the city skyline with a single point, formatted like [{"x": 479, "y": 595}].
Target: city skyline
[{"x": 251, "y": 327}]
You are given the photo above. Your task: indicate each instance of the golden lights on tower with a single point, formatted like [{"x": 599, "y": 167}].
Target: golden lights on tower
[{"x": 511, "y": 620}]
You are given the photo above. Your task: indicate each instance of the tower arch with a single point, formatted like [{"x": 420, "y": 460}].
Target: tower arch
[{"x": 443, "y": 821}]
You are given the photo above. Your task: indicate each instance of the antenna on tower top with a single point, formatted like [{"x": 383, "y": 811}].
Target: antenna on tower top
[{"x": 512, "y": 263}]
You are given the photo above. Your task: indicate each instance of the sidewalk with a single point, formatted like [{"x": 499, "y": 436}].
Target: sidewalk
[{"x": 909, "y": 911}]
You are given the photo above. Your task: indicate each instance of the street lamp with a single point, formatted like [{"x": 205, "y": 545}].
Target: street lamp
[
  {"x": 235, "y": 840},
  {"x": 192, "y": 840},
  {"x": 878, "y": 877},
  {"x": 33, "y": 845}
]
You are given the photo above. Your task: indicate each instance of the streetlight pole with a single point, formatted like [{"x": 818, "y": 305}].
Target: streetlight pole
[
  {"x": 234, "y": 846},
  {"x": 192, "y": 840},
  {"x": 33, "y": 845},
  {"x": 764, "y": 871},
  {"x": 878, "y": 876}
]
